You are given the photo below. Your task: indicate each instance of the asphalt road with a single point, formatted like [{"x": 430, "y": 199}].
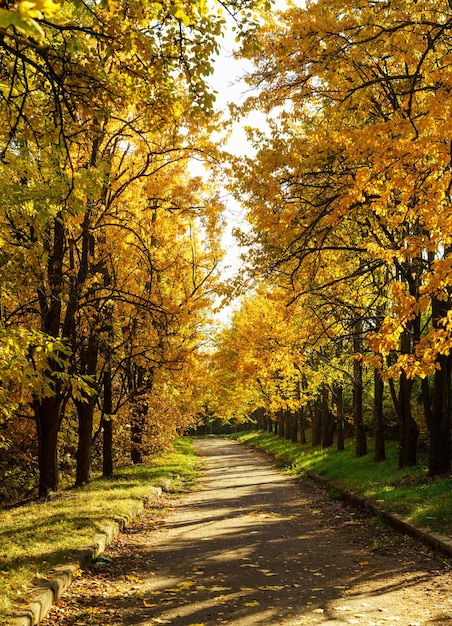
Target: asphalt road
[{"x": 253, "y": 546}]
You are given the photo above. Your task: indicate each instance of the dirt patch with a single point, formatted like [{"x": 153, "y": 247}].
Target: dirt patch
[{"x": 252, "y": 546}]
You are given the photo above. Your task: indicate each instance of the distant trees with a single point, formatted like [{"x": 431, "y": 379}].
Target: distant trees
[{"x": 349, "y": 194}]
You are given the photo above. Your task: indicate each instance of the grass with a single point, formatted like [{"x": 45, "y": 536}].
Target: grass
[
  {"x": 36, "y": 537},
  {"x": 410, "y": 492}
]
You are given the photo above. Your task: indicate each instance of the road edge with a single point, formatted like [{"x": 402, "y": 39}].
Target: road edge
[
  {"x": 438, "y": 542},
  {"x": 50, "y": 590},
  {"x": 441, "y": 544}
]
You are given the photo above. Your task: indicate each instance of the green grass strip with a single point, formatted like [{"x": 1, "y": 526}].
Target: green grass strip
[
  {"x": 38, "y": 536},
  {"x": 410, "y": 492}
]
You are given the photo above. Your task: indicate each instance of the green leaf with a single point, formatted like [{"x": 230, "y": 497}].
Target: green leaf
[{"x": 28, "y": 26}]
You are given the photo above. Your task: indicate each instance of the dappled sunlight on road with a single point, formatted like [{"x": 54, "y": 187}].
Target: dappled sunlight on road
[{"x": 253, "y": 546}]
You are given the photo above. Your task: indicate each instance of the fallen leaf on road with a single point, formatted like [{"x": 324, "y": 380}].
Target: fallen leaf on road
[
  {"x": 267, "y": 572},
  {"x": 187, "y": 584},
  {"x": 254, "y": 603}
]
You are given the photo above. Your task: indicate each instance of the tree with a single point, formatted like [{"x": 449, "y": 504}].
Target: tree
[{"x": 360, "y": 148}]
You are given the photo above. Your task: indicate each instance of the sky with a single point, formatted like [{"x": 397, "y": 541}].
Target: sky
[{"x": 228, "y": 82}]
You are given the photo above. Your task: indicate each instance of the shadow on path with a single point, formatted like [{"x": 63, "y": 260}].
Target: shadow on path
[{"x": 252, "y": 546}]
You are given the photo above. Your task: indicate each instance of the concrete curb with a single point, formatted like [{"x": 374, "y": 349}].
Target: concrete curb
[
  {"x": 50, "y": 590},
  {"x": 439, "y": 543}
]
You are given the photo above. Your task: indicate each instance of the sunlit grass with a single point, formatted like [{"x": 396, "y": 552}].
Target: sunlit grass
[
  {"x": 409, "y": 492},
  {"x": 36, "y": 537}
]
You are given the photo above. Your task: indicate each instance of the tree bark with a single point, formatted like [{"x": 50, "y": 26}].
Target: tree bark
[
  {"x": 379, "y": 452},
  {"x": 281, "y": 424},
  {"x": 409, "y": 430},
  {"x": 360, "y": 433},
  {"x": 328, "y": 420},
  {"x": 85, "y": 414},
  {"x": 339, "y": 402},
  {"x": 316, "y": 432},
  {"x": 295, "y": 425},
  {"x": 85, "y": 411},
  {"x": 439, "y": 430},
  {"x": 302, "y": 424},
  {"x": 47, "y": 411},
  {"x": 137, "y": 427},
  {"x": 289, "y": 424},
  {"x": 47, "y": 418},
  {"x": 107, "y": 413},
  {"x": 438, "y": 404}
]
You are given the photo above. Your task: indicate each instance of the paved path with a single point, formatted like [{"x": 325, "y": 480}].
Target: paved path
[{"x": 253, "y": 546}]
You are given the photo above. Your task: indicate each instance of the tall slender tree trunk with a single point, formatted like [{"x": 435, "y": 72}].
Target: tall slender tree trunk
[
  {"x": 47, "y": 411},
  {"x": 85, "y": 414},
  {"x": 47, "y": 418},
  {"x": 316, "y": 431},
  {"x": 269, "y": 423},
  {"x": 380, "y": 452},
  {"x": 408, "y": 428},
  {"x": 137, "y": 428},
  {"x": 107, "y": 447},
  {"x": 438, "y": 404},
  {"x": 338, "y": 395},
  {"x": 360, "y": 433},
  {"x": 107, "y": 413},
  {"x": 281, "y": 424},
  {"x": 289, "y": 424},
  {"x": 295, "y": 426},
  {"x": 439, "y": 430},
  {"x": 302, "y": 424},
  {"x": 328, "y": 420}
]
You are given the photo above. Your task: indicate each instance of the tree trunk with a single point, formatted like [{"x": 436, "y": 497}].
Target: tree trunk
[
  {"x": 85, "y": 414},
  {"x": 47, "y": 418},
  {"x": 302, "y": 424},
  {"x": 316, "y": 433},
  {"x": 328, "y": 421},
  {"x": 137, "y": 428},
  {"x": 438, "y": 404},
  {"x": 380, "y": 452},
  {"x": 107, "y": 427},
  {"x": 360, "y": 433},
  {"x": 295, "y": 424},
  {"x": 269, "y": 423},
  {"x": 47, "y": 411},
  {"x": 289, "y": 424},
  {"x": 439, "y": 429},
  {"x": 281, "y": 424},
  {"x": 409, "y": 430},
  {"x": 107, "y": 447},
  {"x": 338, "y": 396}
]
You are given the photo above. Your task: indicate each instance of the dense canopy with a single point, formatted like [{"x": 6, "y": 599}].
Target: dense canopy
[{"x": 110, "y": 245}]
